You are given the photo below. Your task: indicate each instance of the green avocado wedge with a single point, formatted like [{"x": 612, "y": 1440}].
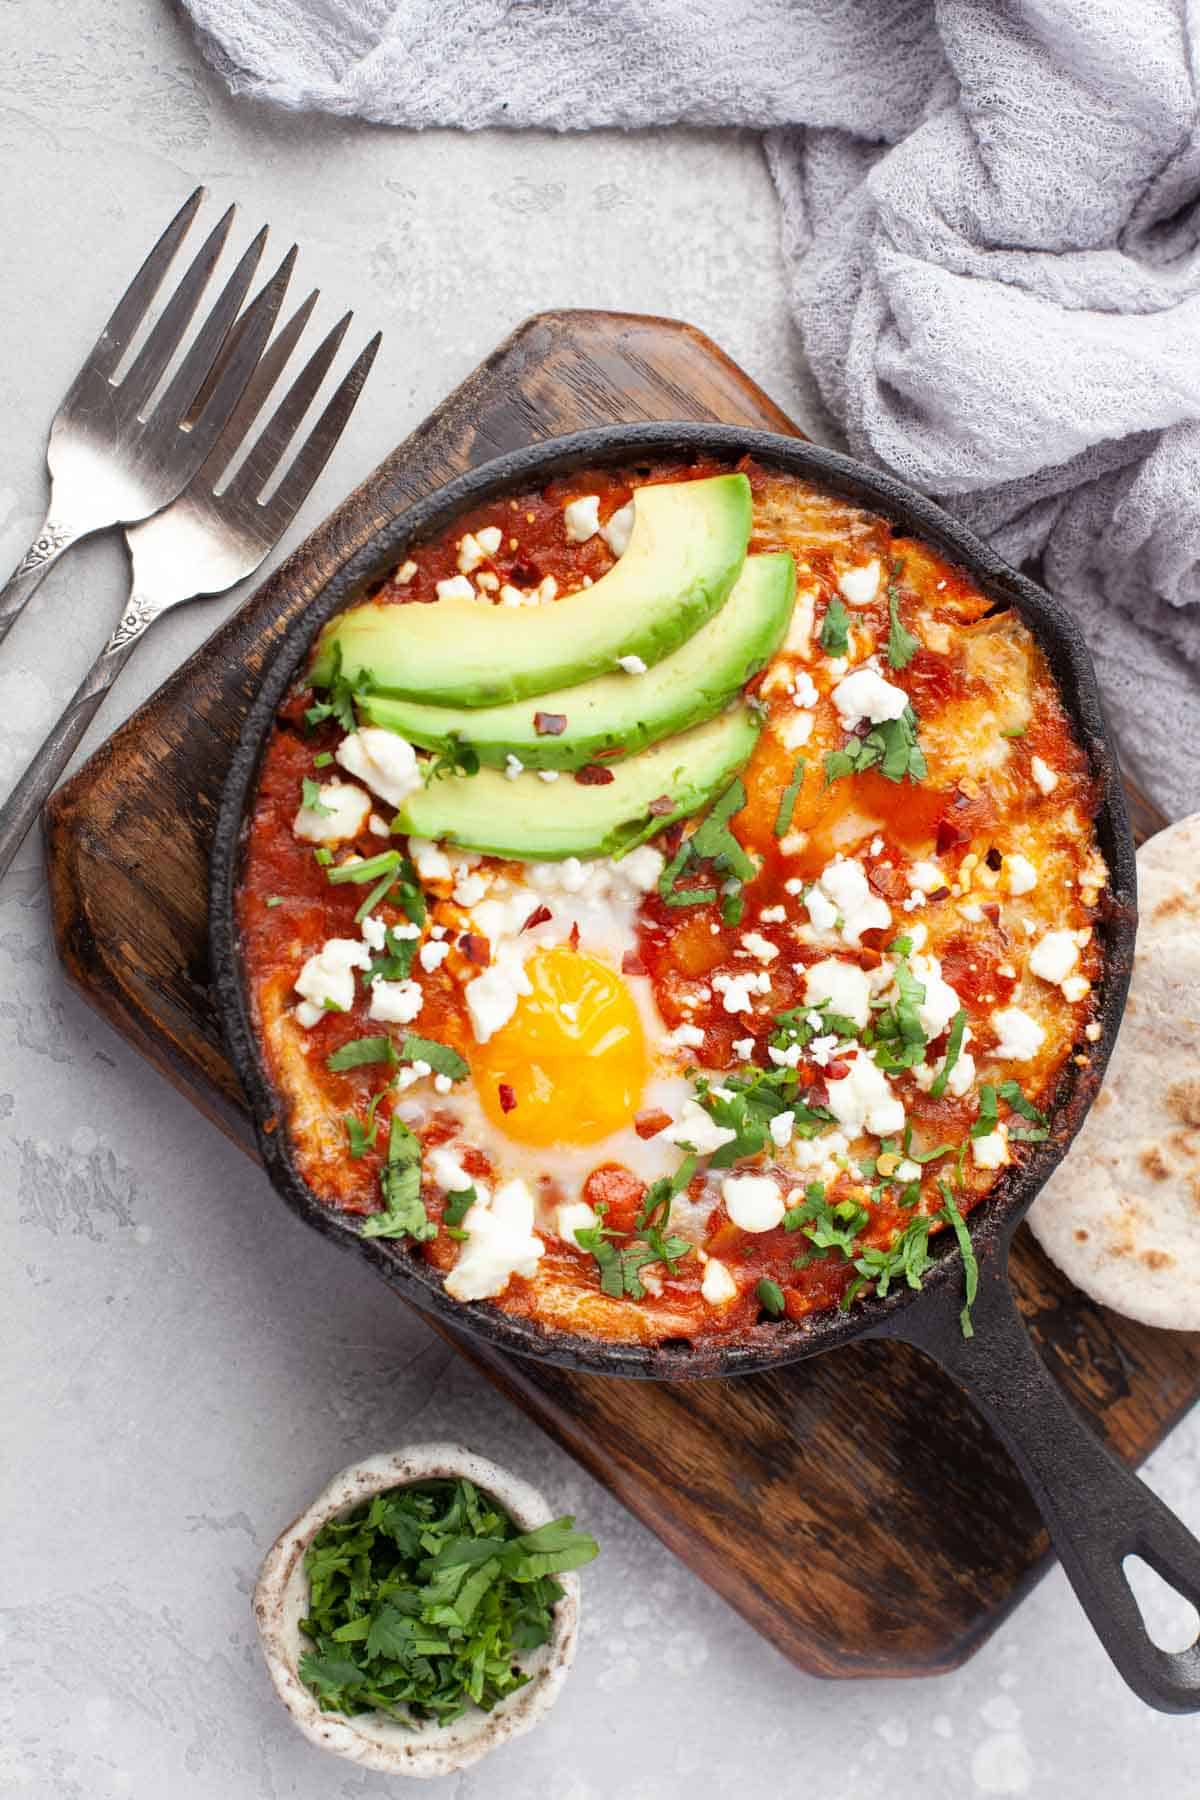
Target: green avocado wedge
[
  {"x": 617, "y": 712},
  {"x": 545, "y": 821},
  {"x": 686, "y": 551}
]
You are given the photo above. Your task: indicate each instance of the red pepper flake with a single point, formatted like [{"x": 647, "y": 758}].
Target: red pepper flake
[
  {"x": 573, "y": 940},
  {"x": 538, "y": 916},
  {"x": 476, "y": 949},
  {"x": 632, "y": 964},
  {"x": 649, "y": 1124},
  {"x": 592, "y": 775},
  {"x": 525, "y": 574},
  {"x": 507, "y": 1098},
  {"x": 549, "y": 724},
  {"x": 949, "y": 835},
  {"x": 993, "y": 859},
  {"x": 660, "y": 807},
  {"x": 991, "y": 910},
  {"x": 837, "y": 1071},
  {"x": 941, "y": 893},
  {"x": 672, "y": 837}
]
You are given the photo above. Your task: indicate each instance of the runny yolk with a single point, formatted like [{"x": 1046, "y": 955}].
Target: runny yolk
[{"x": 572, "y": 1057}]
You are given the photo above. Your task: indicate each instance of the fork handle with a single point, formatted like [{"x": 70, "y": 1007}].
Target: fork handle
[
  {"x": 37, "y": 783},
  {"x": 41, "y": 556}
]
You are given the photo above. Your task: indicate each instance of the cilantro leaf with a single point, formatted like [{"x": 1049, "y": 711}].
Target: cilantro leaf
[
  {"x": 459, "y": 758},
  {"x": 362, "y": 1133},
  {"x": 902, "y": 646},
  {"x": 951, "y": 1215},
  {"x": 787, "y": 800},
  {"x": 835, "y": 630},
  {"x": 892, "y": 747},
  {"x": 954, "y": 1045},
  {"x": 770, "y": 1297},
  {"x": 441, "y": 1058},
  {"x": 360, "y": 1051},
  {"x": 400, "y": 1180},
  {"x": 341, "y": 692},
  {"x": 365, "y": 868},
  {"x": 711, "y": 842},
  {"x": 310, "y": 799},
  {"x": 421, "y": 1599}
]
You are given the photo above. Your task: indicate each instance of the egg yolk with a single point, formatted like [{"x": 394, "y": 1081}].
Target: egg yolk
[{"x": 570, "y": 1065}]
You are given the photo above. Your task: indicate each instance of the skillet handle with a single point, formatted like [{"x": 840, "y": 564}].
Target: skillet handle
[{"x": 1096, "y": 1510}]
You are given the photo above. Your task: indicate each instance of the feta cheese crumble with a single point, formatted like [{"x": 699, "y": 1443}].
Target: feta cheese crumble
[
  {"x": 716, "y": 1284},
  {"x": 860, "y": 586},
  {"x": 619, "y": 530},
  {"x": 385, "y": 762},
  {"x": 395, "y": 1002},
  {"x": 342, "y": 810},
  {"x": 582, "y": 518},
  {"x": 843, "y": 984},
  {"x": 753, "y": 1202},
  {"x": 327, "y": 979},
  {"x": 500, "y": 1243},
  {"x": 1054, "y": 956},
  {"x": 864, "y": 694},
  {"x": 1020, "y": 1036},
  {"x": 1045, "y": 778},
  {"x": 862, "y": 1100}
]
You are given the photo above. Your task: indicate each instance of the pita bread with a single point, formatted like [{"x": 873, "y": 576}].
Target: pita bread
[{"x": 1121, "y": 1215}]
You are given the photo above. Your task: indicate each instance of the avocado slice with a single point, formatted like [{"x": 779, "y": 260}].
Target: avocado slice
[
  {"x": 621, "y": 712},
  {"x": 550, "y": 820},
  {"x": 687, "y": 550}
]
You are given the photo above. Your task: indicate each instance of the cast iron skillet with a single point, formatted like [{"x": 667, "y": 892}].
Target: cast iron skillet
[{"x": 1098, "y": 1513}]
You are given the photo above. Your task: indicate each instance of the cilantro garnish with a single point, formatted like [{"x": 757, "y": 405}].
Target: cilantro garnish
[
  {"x": 732, "y": 908},
  {"x": 954, "y": 1044},
  {"x": 440, "y": 1057},
  {"x": 274, "y": 900},
  {"x": 787, "y": 800},
  {"x": 902, "y": 646},
  {"x": 891, "y": 747},
  {"x": 770, "y": 1297},
  {"x": 746, "y": 1104},
  {"x": 655, "y": 1210},
  {"x": 896, "y": 1036},
  {"x": 955, "y": 1220},
  {"x": 458, "y": 1205},
  {"x": 986, "y": 1121},
  {"x": 341, "y": 694},
  {"x": 458, "y": 758},
  {"x": 400, "y": 1179},
  {"x": 360, "y": 1051},
  {"x": 1011, "y": 1092},
  {"x": 619, "y": 1268},
  {"x": 421, "y": 1599},
  {"x": 828, "y": 1227},
  {"x": 394, "y": 962},
  {"x": 835, "y": 631},
  {"x": 361, "y": 1133},
  {"x": 366, "y": 868},
  {"x": 310, "y": 799},
  {"x": 795, "y": 1027},
  {"x": 711, "y": 842}
]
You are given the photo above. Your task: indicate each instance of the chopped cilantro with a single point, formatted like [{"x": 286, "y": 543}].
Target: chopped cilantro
[
  {"x": 732, "y": 908},
  {"x": 770, "y": 1297},
  {"x": 341, "y": 693},
  {"x": 274, "y": 900},
  {"x": 405, "y": 1214},
  {"x": 440, "y": 1057},
  {"x": 954, "y": 1044},
  {"x": 655, "y": 1209},
  {"x": 985, "y": 1123},
  {"x": 458, "y": 759},
  {"x": 835, "y": 630},
  {"x": 1013, "y": 731},
  {"x": 394, "y": 962},
  {"x": 323, "y": 760},
  {"x": 892, "y": 747},
  {"x": 902, "y": 646},
  {"x": 458, "y": 1205},
  {"x": 896, "y": 1036},
  {"x": 908, "y": 1258},
  {"x": 952, "y": 1217},
  {"x": 360, "y": 1051},
  {"x": 366, "y": 868},
  {"x": 422, "y": 1598},
  {"x": 1010, "y": 1091},
  {"x": 310, "y": 799},
  {"x": 712, "y": 841},
  {"x": 787, "y": 800},
  {"x": 361, "y": 1133}
]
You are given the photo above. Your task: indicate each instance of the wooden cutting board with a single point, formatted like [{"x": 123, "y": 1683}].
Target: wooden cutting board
[{"x": 853, "y": 1508}]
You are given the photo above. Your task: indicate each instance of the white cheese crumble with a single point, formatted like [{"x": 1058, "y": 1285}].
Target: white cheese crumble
[
  {"x": 513, "y": 766},
  {"x": 430, "y": 860},
  {"x": 489, "y": 539},
  {"x": 842, "y": 889},
  {"x": 470, "y": 555},
  {"x": 1022, "y": 876},
  {"x": 862, "y": 1100},
  {"x": 573, "y": 1216},
  {"x": 342, "y": 811},
  {"x": 759, "y": 946},
  {"x": 581, "y": 518},
  {"x": 632, "y": 665},
  {"x": 735, "y": 990},
  {"x": 864, "y": 694},
  {"x": 860, "y": 586},
  {"x": 753, "y": 1202},
  {"x": 548, "y": 774},
  {"x": 717, "y": 1285},
  {"x": 941, "y": 1002},
  {"x": 743, "y": 1048},
  {"x": 374, "y": 932},
  {"x": 687, "y": 1037},
  {"x": 396, "y": 1002},
  {"x": 385, "y": 762},
  {"x": 696, "y": 1127},
  {"x": 1054, "y": 956},
  {"x": 1045, "y": 778},
  {"x": 781, "y": 1127},
  {"x": 804, "y": 689},
  {"x": 432, "y": 955},
  {"x": 327, "y": 979},
  {"x": 500, "y": 1243},
  {"x": 405, "y": 573},
  {"x": 455, "y": 587},
  {"x": 991, "y": 1152},
  {"x": 492, "y": 997},
  {"x": 445, "y": 1170},
  {"x": 1020, "y": 1036},
  {"x": 1075, "y": 987},
  {"x": 926, "y": 875},
  {"x": 795, "y": 730},
  {"x": 843, "y": 984},
  {"x": 619, "y": 530},
  {"x": 378, "y": 827}
]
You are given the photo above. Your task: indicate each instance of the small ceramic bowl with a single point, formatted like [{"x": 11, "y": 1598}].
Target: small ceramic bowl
[{"x": 370, "y": 1739}]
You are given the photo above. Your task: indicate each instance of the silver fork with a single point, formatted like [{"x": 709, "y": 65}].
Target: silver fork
[
  {"x": 206, "y": 540},
  {"x": 109, "y": 464}
]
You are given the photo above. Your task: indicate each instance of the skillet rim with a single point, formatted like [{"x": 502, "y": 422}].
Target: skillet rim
[{"x": 769, "y": 1344}]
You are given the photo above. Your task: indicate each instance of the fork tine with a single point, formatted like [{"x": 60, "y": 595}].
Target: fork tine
[
  {"x": 269, "y": 369},
  {"x": 243, "y": 359},
  {"x": 275, "y": 437},
  {"x": 131, "y": 308},
  {"x": 319, "y": 444},
  {"x": 163, "y": 341},
  {"x": 188, "y": 379}
]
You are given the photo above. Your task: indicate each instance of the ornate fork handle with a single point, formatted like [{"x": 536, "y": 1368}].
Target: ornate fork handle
[
  {"x": 42, "y": 554},
  {"x": 34, "y": 788}
]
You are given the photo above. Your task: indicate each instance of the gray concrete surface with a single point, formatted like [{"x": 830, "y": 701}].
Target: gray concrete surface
[{"x": 185, "y": 1364}]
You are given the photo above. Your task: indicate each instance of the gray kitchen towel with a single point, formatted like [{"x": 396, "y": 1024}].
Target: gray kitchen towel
[{"x": 990, "y": 215}]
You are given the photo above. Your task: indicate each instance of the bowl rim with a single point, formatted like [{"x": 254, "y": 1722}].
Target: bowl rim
[
  {"x": 771, "y": 1343},
  {"x": 432, "y": 1750}
]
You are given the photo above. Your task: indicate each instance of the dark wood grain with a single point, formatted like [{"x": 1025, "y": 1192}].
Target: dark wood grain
[{"x": 900, "y": 1531}]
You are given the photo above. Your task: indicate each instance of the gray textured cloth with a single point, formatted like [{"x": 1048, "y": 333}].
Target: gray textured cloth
[{"x": 990, "y": 215}]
